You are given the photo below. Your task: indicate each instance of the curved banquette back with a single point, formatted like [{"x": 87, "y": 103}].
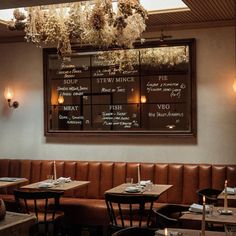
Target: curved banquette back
[{"x": 185, "y": 178}]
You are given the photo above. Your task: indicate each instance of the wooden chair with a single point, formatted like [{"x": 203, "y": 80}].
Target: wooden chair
[
  {"x": 135, "y": 231},
  {"x": 168, "y": 215},
  {"x": 211, "y": 195},
  {"x": 45, "y": 206},
  {"x": 129, "y": 210}
]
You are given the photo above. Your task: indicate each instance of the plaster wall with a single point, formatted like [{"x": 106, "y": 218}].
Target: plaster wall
[{"x": 22, "y": 129}]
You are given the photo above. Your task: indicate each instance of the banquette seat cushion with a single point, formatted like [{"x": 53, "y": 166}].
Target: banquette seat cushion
[{"x": 87, "y": 206}]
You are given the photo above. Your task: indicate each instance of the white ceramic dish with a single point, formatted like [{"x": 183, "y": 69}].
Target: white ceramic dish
[
  {"x": 132, "y": 190},
  {"x": 45, "y": 185}
]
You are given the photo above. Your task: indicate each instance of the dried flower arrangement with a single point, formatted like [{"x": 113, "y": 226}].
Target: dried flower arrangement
[
  {"x": 165, "y": 56},
  {"x": 123, "y": 59},
  {"x": 156, "y": 57},
  {"x": 83, "y": 22}
]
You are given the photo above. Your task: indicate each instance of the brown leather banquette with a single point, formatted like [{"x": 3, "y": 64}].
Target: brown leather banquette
[{"x": 87, "y": 206}]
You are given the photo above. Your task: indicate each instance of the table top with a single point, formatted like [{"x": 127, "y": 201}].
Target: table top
[
  {"x": 229, "y": 196},
  {"x": 12, "y": 218},
  {"x": 15, "y": 181},
  {"x": 66, "y": 186},
  {"x": 216, "y": 217},
  {"x": 189, "y": 232},
  {"x": 156, "y": 190}
]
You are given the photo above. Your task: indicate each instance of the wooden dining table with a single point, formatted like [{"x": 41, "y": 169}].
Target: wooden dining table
[
  {"x": 156, "y": 190},
  {"x": 16, "y": 224},
  {"x": 215, "y": 217},
  {"x": 11, "y": 181},
  {"x": 188, "y": 232},
  {"x": 74, "y": 184}
]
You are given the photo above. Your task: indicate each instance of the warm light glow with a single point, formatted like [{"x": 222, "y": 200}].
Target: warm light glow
[
  {"x": 165, "y": 232},
  {"x": 234, "y": 86},
  {"x": 204, "y": 200},
  {"x": 170, "y": 126},
  {"x": 143, "y": 99},
  {"x": 60, "y": 99},
  {"x": 226, "y": 183},
  {"x": 8, "y": 93}
]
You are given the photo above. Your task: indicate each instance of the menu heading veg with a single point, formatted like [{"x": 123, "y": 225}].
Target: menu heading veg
[{"x": 146, "y": 90}]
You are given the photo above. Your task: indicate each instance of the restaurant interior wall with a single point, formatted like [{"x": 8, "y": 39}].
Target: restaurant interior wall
[{"x": 22, "y": 131}]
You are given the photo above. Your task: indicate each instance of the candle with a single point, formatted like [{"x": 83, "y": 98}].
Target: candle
[
  {"x": 165, "y": 232},
  {"x": 225, "y": 196},
  {"x": 138, "y": 174},
  {"x": 203, "y": 215},
  {"x": 54, "y": 170}
]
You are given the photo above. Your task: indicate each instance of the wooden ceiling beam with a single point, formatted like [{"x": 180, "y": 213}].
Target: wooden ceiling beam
[{"x": 210, "y": 24}]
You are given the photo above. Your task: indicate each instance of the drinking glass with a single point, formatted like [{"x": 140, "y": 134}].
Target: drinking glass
[
  {"x": 62, "y": 182},
  {"x": 210, "y": 210},
  {"x": 149, "y": 186},
  {"x": 49, "y": 178},
  {"x": 129, "y": 181}
]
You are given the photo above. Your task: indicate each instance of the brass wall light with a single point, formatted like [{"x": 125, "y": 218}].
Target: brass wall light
[{"x": 8, "y": 94}]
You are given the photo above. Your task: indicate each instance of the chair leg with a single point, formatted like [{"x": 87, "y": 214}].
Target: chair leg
[
  {"x": 34, "y": 230},
  {"x": 59, "y": 228}
]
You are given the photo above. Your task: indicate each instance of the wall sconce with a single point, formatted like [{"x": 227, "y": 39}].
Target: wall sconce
[
  {"x": 8, "y": 94},
  {"x": 60, "y": 99},
  {"x": 143, "y": 99}
]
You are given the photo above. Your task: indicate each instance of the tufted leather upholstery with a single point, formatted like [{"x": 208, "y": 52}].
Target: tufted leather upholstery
[{"x": 185, "y": 178}]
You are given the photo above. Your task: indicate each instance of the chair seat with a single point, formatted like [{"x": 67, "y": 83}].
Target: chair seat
[{"x": 135, "y": 222}]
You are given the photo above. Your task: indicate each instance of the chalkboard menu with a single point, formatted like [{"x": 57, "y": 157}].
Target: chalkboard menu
[{"x": 147, "y": 90}]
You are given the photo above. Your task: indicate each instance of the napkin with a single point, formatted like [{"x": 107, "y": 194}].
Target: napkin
[
  {"x": 197, "y": 208},
  {"x": 225, "y": 212},
  {"x": 231, "y": 190},
  {"x": 45, "y": 185},
  {"x": 144, "y": 182},
  {"x": 64, "y": 179}
]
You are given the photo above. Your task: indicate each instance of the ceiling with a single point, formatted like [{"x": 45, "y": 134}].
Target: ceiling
[{"x": 210, "y": 13}]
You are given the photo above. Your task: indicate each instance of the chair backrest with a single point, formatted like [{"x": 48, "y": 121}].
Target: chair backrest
[
  {"x": 42, "y": 202},
  {"x": 129, "y": 210},
  {"x": 168, "y": 215},
  {"x": 210, "y": 194}
]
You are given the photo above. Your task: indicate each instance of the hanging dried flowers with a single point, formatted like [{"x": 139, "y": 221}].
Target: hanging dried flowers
[
  {"x": 83, "y": 22},
  {"x": 165, "y": 56}
]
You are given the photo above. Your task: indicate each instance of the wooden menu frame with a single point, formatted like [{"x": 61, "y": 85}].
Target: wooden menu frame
[{"x": 105, "y": 98}]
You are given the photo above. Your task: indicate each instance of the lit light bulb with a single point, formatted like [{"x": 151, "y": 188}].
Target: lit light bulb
[
  {"x": 8, "y": 93},
  {"x": 234, "y": 86},
  {"x": 165, "y": 232},
  {"x": 143, "y": 99},
  {"x": 60, "y": 99}
]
